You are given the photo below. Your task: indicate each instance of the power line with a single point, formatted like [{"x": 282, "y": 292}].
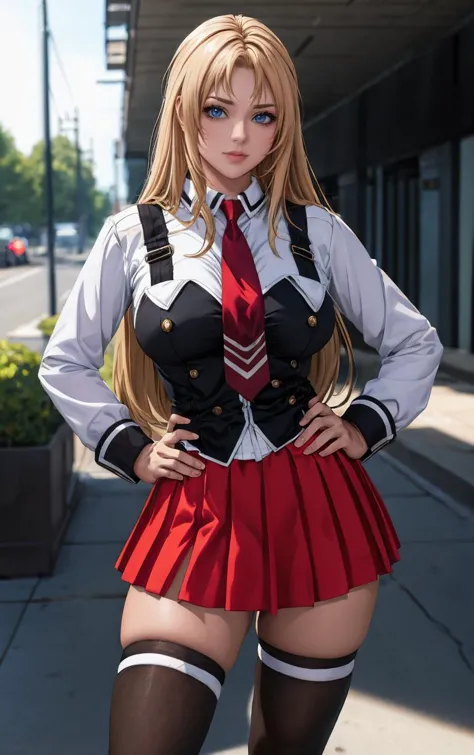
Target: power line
[
  {"x": 61, "y": 66},
  {"x": 55, "y": 104}
]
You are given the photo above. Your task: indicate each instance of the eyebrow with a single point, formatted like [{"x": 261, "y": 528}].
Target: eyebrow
[{"x": 231, "y": 102}]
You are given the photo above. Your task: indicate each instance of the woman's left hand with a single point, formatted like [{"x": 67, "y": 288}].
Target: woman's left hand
[{"x": 344, "y": 435}]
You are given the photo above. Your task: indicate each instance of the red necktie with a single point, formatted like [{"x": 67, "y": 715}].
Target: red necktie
[{"x": 243, "y": 312}]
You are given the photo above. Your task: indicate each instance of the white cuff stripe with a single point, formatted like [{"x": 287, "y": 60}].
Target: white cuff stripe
[
  {"x": 380, "y": 412},
  {"x": 307, "y": 674},
  {"x": 108, "y": 441},
  {"x": 380, "y": 444},
  {"x": 117, "y": 470},
  {"x": 158, "y": 659}
]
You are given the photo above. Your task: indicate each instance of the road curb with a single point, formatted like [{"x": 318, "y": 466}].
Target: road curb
[{"x": 448, "y": 482}]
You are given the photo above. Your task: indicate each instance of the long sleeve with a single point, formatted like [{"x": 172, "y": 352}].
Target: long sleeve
[
  {"x": 408, "y": 345},
  {"x": 69, "y": 371}
]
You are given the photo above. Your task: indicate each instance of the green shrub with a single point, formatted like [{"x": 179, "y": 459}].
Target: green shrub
[
  {"x": 106, "y": 370},
  {"x": 27, "y": 415},
  {"x": 47, "y": 325}
]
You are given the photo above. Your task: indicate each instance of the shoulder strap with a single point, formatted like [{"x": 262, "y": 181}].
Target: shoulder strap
[
  {"x": 300, "y": 245},
  {"x": 159, "y": 249}
]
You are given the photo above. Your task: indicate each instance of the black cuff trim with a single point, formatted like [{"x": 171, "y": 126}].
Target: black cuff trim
[
  {"x": 119, "y": 448},
  {"x": 374, "y": 421}
]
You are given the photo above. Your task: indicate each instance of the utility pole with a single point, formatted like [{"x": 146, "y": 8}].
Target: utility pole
[
  {"x": 79, "y": 192},
  {"x": 117, "y": 150},
  {"x": 48, "y": 166},
  {"x": 74, "y": 125}
]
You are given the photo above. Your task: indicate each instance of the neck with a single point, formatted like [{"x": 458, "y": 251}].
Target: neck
[{"x": 231, "y": 187}]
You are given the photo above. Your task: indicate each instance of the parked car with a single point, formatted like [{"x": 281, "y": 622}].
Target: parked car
[
  {"x": 67, "y": 237},
  {"x": 13, "y": 249}
]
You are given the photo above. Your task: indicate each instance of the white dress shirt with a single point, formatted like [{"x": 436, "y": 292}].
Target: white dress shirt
[{"x": 116, "y": 275}]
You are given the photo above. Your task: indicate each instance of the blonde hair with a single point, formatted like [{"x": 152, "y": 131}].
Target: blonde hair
[{"x": 203, "y": 62}]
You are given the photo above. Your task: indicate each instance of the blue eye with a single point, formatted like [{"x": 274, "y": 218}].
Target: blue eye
[
  {"x": 213, "y": 111},
  {"x": 268, "y": 116}
]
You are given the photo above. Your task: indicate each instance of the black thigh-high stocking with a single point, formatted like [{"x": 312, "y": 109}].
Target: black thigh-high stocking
[
  {"x": 163, "y": 700},
  {"x": 296, "y": 702}
]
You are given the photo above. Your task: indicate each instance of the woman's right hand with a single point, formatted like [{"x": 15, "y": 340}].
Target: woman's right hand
[{"x": 162, "y": 459}]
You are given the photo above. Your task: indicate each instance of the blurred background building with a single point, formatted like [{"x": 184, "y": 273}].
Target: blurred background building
[{"x": 388, "y": 99}]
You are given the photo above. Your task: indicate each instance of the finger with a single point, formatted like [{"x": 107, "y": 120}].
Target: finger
[
  {"x": 170, "y": 439},
  {"x": 179, "y": 467},
  {"x": 316, "y": 424},
  {"x": 337, "y": 445},
  {"x": 327, "y": 435},
  {"x": 169, "y": 473},
  {"x": 182, "y": 456},
  {"x": 317, "y": 410},
  {"x": 176, "y": 419}
]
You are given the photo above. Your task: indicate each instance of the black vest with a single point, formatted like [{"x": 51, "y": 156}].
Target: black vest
[{"x": 185, "y": 342}]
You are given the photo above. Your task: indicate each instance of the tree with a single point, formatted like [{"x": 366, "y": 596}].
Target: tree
[
  {"x": 16, "y": 190},
  {"x": 22, "y": 186},
  {"x": 94, "y": 204}
]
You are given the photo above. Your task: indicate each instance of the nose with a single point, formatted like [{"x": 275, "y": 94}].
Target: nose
[{"x": 239, "y": 132}]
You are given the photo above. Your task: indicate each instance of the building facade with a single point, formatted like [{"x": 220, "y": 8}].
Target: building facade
[{"x": 397, "y": 161}]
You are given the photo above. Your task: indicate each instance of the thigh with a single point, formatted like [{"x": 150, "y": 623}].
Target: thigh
[
  {"x": 330, "y": 629},
  {"x": 213, "y": 631}
]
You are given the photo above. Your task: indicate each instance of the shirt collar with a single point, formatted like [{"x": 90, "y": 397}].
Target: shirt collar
[{"x": 253, "y": 198}]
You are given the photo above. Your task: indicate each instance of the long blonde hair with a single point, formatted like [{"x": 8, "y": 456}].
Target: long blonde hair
[{"x": 205, "y": 61}]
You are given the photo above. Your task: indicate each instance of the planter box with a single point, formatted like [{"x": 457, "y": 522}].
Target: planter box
[{"x": 34, "y": 510}]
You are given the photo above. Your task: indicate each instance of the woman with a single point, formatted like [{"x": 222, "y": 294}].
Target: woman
[{"x": 230, "y": 277}]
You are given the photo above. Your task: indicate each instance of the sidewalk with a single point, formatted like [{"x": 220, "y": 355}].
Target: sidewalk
[
  {"x": 414, "y": 681},
  {"x": 439, "y": 444}
]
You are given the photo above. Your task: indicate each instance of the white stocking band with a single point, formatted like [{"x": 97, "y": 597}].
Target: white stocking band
[
  {"x": 158, "y": 659},
  {"x": 308, "y": 674}
]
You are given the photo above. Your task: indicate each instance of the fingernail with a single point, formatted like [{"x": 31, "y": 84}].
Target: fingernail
[
  {"x": 196, "y": 472},
  {"x": 302, "y": 422},
  {"x": 202, "y": 466},
  {"x": 195, "y": 435}
]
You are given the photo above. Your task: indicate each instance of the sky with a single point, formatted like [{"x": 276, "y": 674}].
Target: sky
[{"x": 79, "y": 33}]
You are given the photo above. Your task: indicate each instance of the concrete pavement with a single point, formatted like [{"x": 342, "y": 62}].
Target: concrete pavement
[
  {"x": 413, "y": 687},
  {"x": 439, "y": 444}
]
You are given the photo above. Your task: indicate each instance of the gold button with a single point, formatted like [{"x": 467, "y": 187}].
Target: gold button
[
  {"x": 294, "y": 363},
  {"x": 167, "y": 325},
  {"x": 292, "y": 400},
  {"x": 217, "y": 410},
  {"x": 312, "y": 321},
  {"x": 276, "y": 383},
  {"x": 193, "y": 373}
]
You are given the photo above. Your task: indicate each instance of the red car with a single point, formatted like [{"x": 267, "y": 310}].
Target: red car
[{"x": 13, "y": 249}]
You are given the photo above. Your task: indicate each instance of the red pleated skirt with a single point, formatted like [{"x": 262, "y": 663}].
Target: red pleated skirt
[{"x": 285, "y": 532}]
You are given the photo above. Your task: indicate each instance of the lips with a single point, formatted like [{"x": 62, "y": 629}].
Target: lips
[{"x": 236, "y": 154}]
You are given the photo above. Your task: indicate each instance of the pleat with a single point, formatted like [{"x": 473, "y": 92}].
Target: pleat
[
  {"x": 206, "y": 573},
  {"x": 328, "y": 549},
  {"x": 290, "y": 569},
  {"x": 288, "y": 531}
]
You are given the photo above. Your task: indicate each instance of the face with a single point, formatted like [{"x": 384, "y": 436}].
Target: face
[{"x": 237, "y": 133}]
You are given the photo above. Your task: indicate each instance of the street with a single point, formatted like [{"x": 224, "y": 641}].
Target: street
[{"x": 24, "y": 291}]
